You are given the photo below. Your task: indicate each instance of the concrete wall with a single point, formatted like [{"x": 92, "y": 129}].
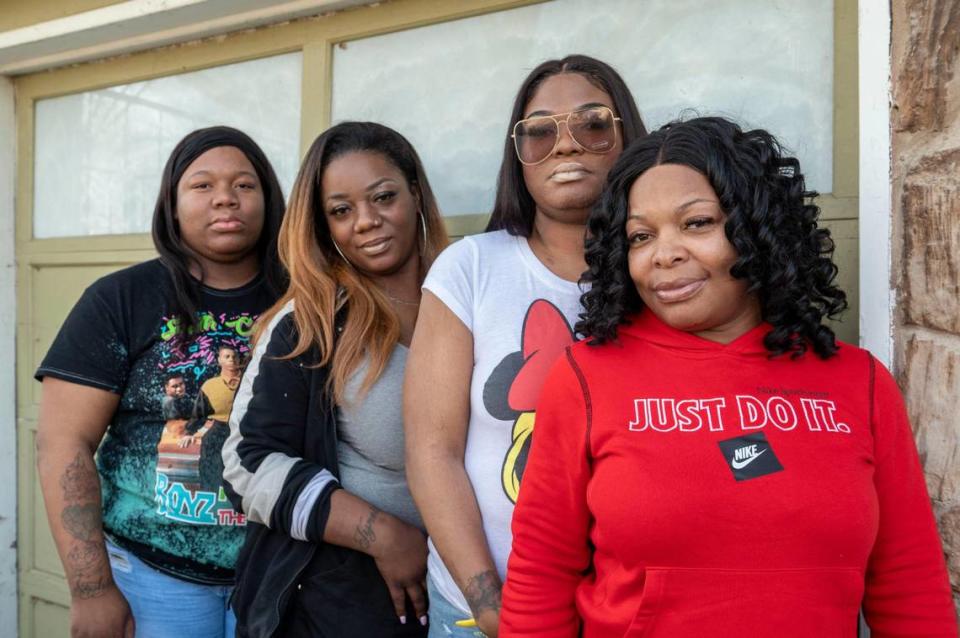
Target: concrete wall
[
  {"x": 925, "y": 118},
  {"x": 8, "y": 425}
]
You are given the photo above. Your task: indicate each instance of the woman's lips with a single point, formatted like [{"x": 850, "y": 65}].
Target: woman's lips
[
  {"x": 569, "y": 172},
  {"x": 227, "y": 225},
  {"x": 375, "y": 246},
  {"x": 678, "y": 290}
]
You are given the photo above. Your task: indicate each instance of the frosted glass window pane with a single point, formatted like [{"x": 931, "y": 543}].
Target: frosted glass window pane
[
  {"x": 98, "y": 155},
  {"x": 449, "y": 87}
]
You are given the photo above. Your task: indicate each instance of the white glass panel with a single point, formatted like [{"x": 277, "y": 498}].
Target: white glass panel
[
  {"x": 449, "y": 87},
  {"x": 99, "y": 154}
]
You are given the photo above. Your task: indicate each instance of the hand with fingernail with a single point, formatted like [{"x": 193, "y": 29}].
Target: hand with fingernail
[{"x": 401, "y": 557}]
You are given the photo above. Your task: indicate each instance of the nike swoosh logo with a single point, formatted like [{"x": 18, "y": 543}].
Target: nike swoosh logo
[{"x": 739, "y": 465}]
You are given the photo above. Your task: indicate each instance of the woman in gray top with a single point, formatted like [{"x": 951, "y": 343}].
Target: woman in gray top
[{"x": 335, "y": 546}]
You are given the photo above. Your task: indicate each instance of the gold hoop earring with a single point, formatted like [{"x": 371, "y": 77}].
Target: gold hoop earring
[
  {"x": 423, "y": 225},
  {"x": 340, "y": 252}
]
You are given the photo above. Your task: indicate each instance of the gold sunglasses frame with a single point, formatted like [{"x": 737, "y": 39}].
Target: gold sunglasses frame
[{"x": 566, "y": 121}]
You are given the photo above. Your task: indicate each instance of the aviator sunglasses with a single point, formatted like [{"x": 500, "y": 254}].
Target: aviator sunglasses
[{"x": 593, "y": 129}]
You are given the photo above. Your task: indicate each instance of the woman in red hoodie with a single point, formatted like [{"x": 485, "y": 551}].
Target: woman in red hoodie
[{"x": 711, "y": 461}]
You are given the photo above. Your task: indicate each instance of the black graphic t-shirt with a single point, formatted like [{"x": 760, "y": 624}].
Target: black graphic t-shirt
[{"x": 159, "y": 462}]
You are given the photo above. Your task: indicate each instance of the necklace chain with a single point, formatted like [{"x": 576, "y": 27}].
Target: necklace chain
[{"x": 402, "y": 301}]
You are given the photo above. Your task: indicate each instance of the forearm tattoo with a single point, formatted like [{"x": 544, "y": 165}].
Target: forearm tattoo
[
  {"x": 364, "y": 534},
  {"x": 483, "y": 592},
  {"x": 88, "y": 571}
]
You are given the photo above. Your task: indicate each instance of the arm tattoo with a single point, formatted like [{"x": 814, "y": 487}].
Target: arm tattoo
[
  {"x": 364, "y": 534},
  {"x": 86, "y": 560},
  {"x": 483, "y": 592},
  {"x": 79, "y": 480},
  {"x": 82, "y": 521}
]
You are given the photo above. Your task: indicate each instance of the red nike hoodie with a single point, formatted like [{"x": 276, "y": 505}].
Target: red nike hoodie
[{"x": 681, "y": 488}]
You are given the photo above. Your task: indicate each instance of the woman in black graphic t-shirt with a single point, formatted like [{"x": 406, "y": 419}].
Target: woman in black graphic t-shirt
[{"x": 147, "y": 523}]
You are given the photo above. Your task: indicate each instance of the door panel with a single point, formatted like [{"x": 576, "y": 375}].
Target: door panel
[
  {"x": 55, "y": 289},
  {"x": 49, "y": 619},
  {"x": 45, "y": 557},
  {"x": 49, "y": 285},
  {"x": 846, "y": 256}
]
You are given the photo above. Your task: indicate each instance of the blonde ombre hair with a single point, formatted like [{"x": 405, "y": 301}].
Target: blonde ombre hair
[{"x": 321, "y": 282}]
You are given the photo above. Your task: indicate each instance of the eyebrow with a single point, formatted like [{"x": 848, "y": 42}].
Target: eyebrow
[
  {"x": 679, "y": 209},
  {"x": 588, "y": 105},
  {"x": 206, "y": 172},
  {"x": 369, "y": 188},
  {"x": 698, "y": 200}
]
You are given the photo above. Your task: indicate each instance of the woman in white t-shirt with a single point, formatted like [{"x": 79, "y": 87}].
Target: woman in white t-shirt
[{"x": 496, "y": 310}]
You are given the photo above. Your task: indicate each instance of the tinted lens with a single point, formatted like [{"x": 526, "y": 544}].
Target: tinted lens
[
  {"x": 535, "y": 139},
  {"x": 594, "y": 129}
]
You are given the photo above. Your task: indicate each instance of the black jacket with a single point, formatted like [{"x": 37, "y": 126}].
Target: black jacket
[{"x": 280, "y": 465}]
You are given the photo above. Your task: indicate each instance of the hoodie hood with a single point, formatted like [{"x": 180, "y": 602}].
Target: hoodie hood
[{"x": 647, "y": 326}]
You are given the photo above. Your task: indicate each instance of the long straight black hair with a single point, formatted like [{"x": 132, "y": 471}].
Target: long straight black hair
[
  {"x": 175, "y": 254},
  {"x": 514, "y": 208}
]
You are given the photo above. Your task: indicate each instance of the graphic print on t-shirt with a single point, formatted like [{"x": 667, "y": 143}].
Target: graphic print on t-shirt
[
  {"x": 200, "y": 372},
  {"x": 512, "y": 389}
]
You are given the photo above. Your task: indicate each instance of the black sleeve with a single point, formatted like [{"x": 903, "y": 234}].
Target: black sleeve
[
  {"x": 93, "y": 345},
  {"x": 264, "y": 464}
]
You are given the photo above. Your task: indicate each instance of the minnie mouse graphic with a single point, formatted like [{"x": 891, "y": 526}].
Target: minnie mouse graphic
[{"x": 512, "y": 390}]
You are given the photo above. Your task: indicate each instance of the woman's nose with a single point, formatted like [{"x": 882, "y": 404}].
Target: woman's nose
[
  {"x": 669, "y": 251},
  {"x": 224, "y": 195},
  {"x": 367, "y": 218},
  {"x": 565, "y": 142}
]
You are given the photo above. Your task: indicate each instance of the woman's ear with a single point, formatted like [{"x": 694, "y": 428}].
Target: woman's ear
[{"x": 417, "y": 195}]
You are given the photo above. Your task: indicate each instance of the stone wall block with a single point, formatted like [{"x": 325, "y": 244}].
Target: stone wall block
[
  {"x": 931, "y": 224},
  {"x": 930, "y": 390},
  {"x": 931, "y": 29},
  {"x": 950, "y": 532}
]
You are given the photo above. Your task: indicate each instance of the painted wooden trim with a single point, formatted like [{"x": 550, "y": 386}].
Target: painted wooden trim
[
  {"x": 127, "y": 27},
  {"x": 54, "y": 587},
  {"x": 460, "y": 225},
  {"x": 316, "y": 92},
  {"x": 245, "y": 45},
  {"x": 8, "y": 414},
  {"x": 24, "y": 172},
  {"x": 92, "y": 243},
  {"x": 876, "y": 288},
  {"x": 34, "y": 582},
  {"x": 833, "y": 207},
  {"x": 25, "y": 13},
  {"x": 845, "y": 89}
]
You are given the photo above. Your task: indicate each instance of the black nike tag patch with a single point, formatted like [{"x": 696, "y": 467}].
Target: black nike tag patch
[{"x": 750, "y": 456}]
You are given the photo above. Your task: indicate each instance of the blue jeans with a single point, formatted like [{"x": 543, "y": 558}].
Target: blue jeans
[
  {"x": 443, "y": 615},
  {"x": 167, "y": 607}
]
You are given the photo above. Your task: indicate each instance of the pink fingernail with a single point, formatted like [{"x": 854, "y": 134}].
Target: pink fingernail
[
  {"x": 403, "y": 620},
  {"x": 423, "y": 620}
]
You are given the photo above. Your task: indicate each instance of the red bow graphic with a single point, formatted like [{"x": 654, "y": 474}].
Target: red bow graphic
[{"x": 545, "y": 336}]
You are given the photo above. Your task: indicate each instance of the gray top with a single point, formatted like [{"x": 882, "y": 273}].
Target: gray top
[{"x": 370, "y": 440}]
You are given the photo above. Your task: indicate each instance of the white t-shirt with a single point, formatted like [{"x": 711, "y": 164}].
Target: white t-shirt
[{"x": 521, "y": 316}]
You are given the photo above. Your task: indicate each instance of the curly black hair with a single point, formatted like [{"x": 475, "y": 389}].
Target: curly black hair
[{"x": 771, "y": 221}]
